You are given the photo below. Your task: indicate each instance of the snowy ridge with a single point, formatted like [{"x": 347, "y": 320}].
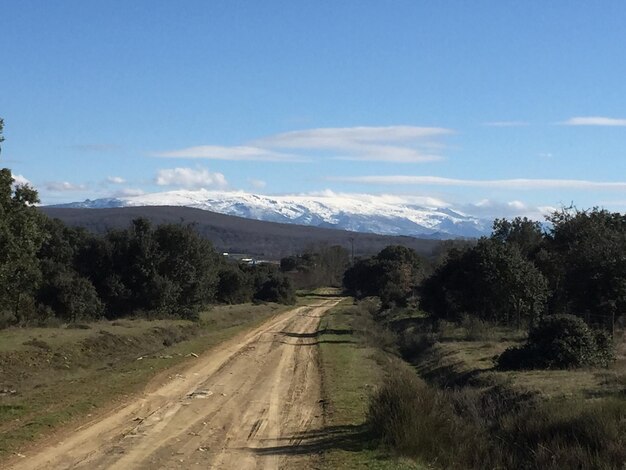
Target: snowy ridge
[{"x": 388, "y": 215}]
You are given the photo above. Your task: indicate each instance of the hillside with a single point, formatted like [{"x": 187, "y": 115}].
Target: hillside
[
  {"x": 381, "y": 214},
  {"x": 239, "y": 235}
]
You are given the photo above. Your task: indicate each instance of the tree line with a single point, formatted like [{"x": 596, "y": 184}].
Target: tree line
[
  {"x": 50, "y": 270},
  {"x": 575, "y": 264}
]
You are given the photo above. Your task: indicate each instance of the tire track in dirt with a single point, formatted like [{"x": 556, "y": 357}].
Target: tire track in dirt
[{"x": 237, "y": 406}]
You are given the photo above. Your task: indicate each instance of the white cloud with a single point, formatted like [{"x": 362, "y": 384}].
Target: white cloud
[
  {"x": 21, "y": 180},
  {"x": 190, "y": 178},
  {"x": 257, "y": 184},
  {"x": 506, "y": 124},
  {"x": 408, "y": 144},
  {"x": 235, "y": 153},
  {"x": 594, "y": 121},
  {"x": 62, "y": 186},
  {"x": 116, "y": 180},
  {"x": 128, "y": 192},
  {"x": 518, "y": 183},
  {"x": 490, "y": 209},
  {"x": 518, "y": 205},
  {"x": 346, "y": 137}
]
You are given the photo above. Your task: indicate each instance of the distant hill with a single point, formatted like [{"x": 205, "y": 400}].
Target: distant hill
[
  {"x": 233, "y": 234},
  {"x": 384, "y": 215}
]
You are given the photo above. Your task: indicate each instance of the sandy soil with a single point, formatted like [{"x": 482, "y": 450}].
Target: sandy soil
[{"x": 239, "y": 406}]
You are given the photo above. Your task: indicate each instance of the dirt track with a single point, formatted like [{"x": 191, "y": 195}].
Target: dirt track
[{"x": 239, "y": 406}]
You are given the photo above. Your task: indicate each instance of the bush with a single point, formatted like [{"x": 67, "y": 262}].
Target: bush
[
  {"x": 559, "y": 342},
  {"x": 495, "y": 428},
  {"x": 412, "y": 343},
  {"x": 418, "y": 421},
  {"x": 276, "y": 289}
]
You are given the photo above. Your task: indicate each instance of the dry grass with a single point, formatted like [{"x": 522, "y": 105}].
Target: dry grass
[
  {"x": 467, "y": 414},
  {"x": 53, "y": 376},
  {"x": 461, "y": 362},
  {"x": 495, "y": 428}
]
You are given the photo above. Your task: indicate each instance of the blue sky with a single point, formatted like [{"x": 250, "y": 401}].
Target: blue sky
[{"x": 505, "y": 107}]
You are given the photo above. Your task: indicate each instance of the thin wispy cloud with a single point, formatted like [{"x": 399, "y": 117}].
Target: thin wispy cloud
[
  {"x": 191, "y": 178},
  {"x": 517, "y": 183},
  {"x": 403, "y": 144},
  {"x": 594, "y": 121},
  {"x": 235, "y": 153},
  {"x": 63, "y": 186}
]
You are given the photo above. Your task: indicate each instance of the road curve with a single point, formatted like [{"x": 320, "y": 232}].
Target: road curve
[{"x": 238, "y": 406}]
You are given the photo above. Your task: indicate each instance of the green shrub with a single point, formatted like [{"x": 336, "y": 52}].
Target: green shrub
[{"x": 559, "y": 342}]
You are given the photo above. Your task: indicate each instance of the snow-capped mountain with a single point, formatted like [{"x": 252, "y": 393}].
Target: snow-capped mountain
[{"x": 388, "y": 215}]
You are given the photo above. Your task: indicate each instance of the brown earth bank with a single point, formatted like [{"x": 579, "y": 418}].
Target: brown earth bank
[{"x": 241, "y": 405}]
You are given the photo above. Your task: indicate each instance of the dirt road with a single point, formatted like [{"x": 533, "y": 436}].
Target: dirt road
[{"x": 238, "y": 406}]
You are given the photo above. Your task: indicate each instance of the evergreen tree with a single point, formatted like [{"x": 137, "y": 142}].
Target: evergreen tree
[{"x": 21, "y": 236}]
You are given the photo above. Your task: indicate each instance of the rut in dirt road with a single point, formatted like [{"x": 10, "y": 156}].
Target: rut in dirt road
[{"x": 238, "y": 407}]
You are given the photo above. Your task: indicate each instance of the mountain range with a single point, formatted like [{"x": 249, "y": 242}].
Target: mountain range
[{"x": 376, "y": 214}]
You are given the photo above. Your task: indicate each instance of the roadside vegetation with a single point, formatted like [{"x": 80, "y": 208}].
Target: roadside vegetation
[
  {"x": 354, "y": 363},
  {"x": 513, "y": 347}
]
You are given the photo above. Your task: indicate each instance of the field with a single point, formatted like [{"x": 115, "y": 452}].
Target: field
[
  {"x": 495, "y": 418},
  {"x": 457, "y": 360}
]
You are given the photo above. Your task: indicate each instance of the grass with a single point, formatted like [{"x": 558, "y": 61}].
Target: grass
[
  {"x": 353, "y": 368},
  {"x": 468, "y": 428},
  {"x": 458, "y": 411},
  {"x": 50, "y": 377},
  {"x": 459, "y": 362}
]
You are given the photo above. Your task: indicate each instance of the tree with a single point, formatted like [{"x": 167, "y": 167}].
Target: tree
[
  {"x": 401, "y": 269},
  {"x": 587, "y": 263},
  {"x": 269, "y": 284},
  {"x": 322, "y": 265},
  {"x": 190, "y": 262},
  {"x": 491, "y": 280},
  {"x": 362, "y": 278},
  {"x": 21, "y": 235},
  {"x": 70, "y": 295},
  {"x": 523, "y": 232},
  {"x": 233, "y": 287},
  {"x": 288, "y": 263},
  {"x": 393, "y": 275}
]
